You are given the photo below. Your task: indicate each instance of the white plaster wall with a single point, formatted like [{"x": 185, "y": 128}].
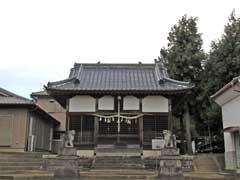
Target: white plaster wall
[
  {"x": 130, "y": 103},
  {"x": 229, "y": 142},
  {"x": 82, "y": 104},
  {"x": 231, "y": 113},
  {"x": 106, "y": 103},
  {"x": 155, "y": 104},
  {"x": 230, "y": 151}
]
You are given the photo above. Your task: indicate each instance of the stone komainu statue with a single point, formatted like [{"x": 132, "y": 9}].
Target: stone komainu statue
[
  {"x": 169, "y": 139},
  {"x": 69, "y": 138}
]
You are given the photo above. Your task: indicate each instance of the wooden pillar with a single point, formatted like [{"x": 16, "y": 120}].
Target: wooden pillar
[
  {"x": 141, "y": 130},
  {"x": 96, "y": 130},
  {"x": 67, "y": 116},
  {"x": 182, "y": 136},
  {"x": 67, "y": 121},
  {"x": 188, "y": 130},
  {"x": 170, "y": 117}
]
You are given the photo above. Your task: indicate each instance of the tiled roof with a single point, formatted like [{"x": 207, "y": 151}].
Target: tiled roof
[
  {"x": 8, "y": 97},
  {"x": 39, "y": 93},
  {"x": 118, "y": 77},
  {"x": 14, "y": 100},
  {"x": 226, "y": 87},
  {"x": 7, "y": 93}
]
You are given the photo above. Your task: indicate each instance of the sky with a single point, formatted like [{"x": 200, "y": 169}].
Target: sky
[{"x": 41, "y": 40}]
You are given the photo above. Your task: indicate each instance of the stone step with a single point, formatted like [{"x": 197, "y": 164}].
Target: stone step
[
  {"x": 119, "y": 167},
  {"x": 25, "y": 155},
  {"x": 17, "y": 163},
  {"x": 121, "y": 172},
  {"x": 2, "y": 168},
  {"x": 118, "y": 158},
  {"x": 17, "y": 160},
  {"x": 117, "y": 177},
  {"x": 118, "y": 162},
  {"x": 27, "y": 177},
  {"x": 16, "y": 171},
  {"x": 205, "y": 163},
  {"x": 125, "y": 160},
  {"x": 6, "y": 177},
  {"x": 19, "y": 157}
]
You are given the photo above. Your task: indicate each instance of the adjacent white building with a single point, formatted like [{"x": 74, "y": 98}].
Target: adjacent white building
[{"x": 228, "y": 98}]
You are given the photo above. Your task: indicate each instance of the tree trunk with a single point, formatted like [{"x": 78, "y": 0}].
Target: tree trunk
[
  {"x": 183, "y": 147},
  {"x": 188, "y": 130}
]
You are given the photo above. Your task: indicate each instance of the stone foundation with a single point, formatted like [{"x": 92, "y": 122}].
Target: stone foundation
[
  {"x": 230, "y": 160},
  {"x": 170, "y": 163}
]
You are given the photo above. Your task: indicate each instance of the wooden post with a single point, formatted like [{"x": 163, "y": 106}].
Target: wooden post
[
  {"x": 96, "y": 130},
  {"x": 188, "y": 130},
  {"x": 170, "y": 118},
  {"x": 182, "y": 136},
  {"x": 67, "y": 121},
  {"x": 67, "y": 116},
  {"x": 141, "y": 130}
]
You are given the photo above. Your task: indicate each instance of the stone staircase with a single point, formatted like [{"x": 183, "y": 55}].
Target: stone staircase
[
  {"x": 118, "y": 167},
  {"x": 22, "y": 166},
  {"x": 118, "y": 162},
  {"x": 118, "y": 174},
  {"x": 205, "y": 163}
]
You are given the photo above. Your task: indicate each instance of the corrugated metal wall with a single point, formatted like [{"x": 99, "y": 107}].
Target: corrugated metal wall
[{"x": 42, "y": 133}]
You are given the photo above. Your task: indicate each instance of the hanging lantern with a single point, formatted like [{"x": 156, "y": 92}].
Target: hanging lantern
[{"x": 100, "y": 119}]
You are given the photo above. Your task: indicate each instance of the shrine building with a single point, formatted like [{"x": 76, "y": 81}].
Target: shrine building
[{"x": 118, "y": 104}]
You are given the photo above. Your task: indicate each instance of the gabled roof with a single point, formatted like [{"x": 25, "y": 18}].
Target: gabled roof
[
  {"x": 226, "y": 87},
  {"x": 8, "y": 98},
  {"x": 96, "y": 78},
  {"x": 228, "y": 92}
]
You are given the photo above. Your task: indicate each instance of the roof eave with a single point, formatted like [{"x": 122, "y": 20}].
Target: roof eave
[
  {"x": 225, "y": 88},
  {"x": 97, "y": 91},
  {"x": 50, "y": 117}
]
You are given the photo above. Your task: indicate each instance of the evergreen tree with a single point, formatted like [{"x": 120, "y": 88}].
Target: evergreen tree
[
  {"x": 183, "y": 57},
  {"x": 184, "y": 53},
  {"x": 224, "y": 58},
  {"x": 222, "y": 66}
]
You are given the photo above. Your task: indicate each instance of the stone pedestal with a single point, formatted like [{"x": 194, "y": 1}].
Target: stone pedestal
[
  {"x": 170, "y": 166},
  {"x": 70, "y": 169},
  {"x": 68, "y": 151}
]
